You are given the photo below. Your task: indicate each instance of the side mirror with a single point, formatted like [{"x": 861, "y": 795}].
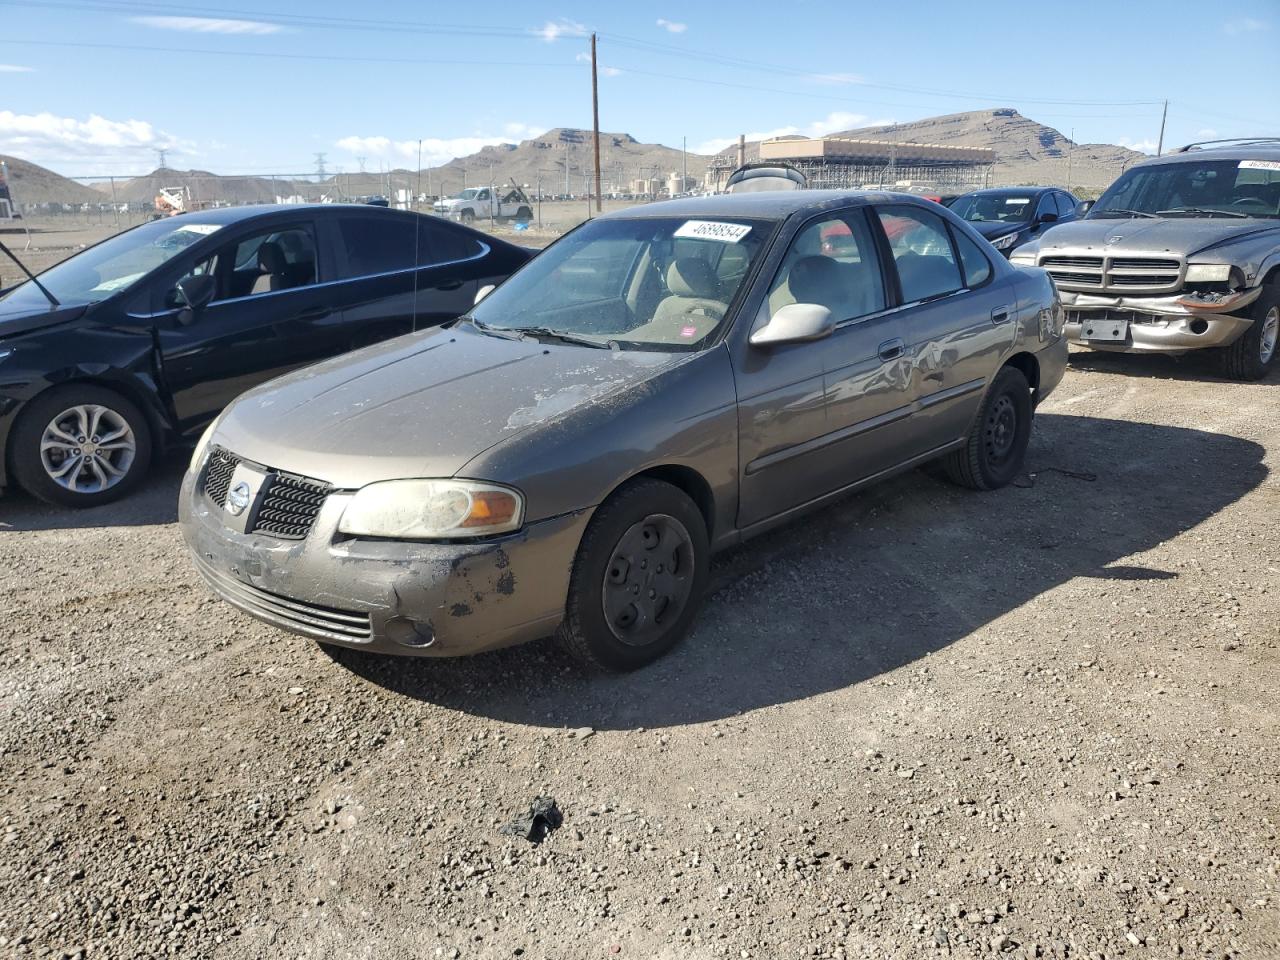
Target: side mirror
[
  {"x": 1047, "y": 218},
  {"x": 483, "y": 292},
  {"x": 1084, "y": 206},
  {"x": 195, "y": 293},
  {"x": 795, "y": 323}
]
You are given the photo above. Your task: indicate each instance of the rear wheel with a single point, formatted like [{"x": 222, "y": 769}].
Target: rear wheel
[
  {"x": 997, "y": 441},
  {"x": 638, "y": 578},
  {"x": 81, "y": 445},
  {"x": 524, "y": 213},
  {"x": 1253, "y": 355}
]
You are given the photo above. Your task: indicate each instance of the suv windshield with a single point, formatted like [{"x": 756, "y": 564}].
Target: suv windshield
[
  {"x": 114, "y": 264},
  {"x": 985, "y": 207},
  {"x": 468, "y": 194},
  {"x": 1195, "y": 188},
  {"x": 640, "y": 284}
]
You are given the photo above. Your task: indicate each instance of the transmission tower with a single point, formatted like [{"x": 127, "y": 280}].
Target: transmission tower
[
  {"x": 162, "y": 155},
  {"x": 320, "y": 171}
]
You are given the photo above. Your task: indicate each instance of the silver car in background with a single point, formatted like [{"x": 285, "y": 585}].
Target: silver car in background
[
  {"x": 659, "y": 384},
  {"x": 1181, "y": 253}
]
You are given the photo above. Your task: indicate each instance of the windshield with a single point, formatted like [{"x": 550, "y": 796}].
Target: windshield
[
  {"x": 114, "y": 264},
  {"x": 1191, "y": 188},
  {"x": 469, "y": 194},
  {"x": 643, "y": 284},
  {"x": 1004, "y": 207}
]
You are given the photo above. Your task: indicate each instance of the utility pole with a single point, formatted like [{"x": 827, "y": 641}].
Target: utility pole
[
  {"x": 595, "y": 116},
  {"x": 1071, "y": 144},
  {"x": 418, "y": 190},
  {"x": 684, "y": 164},
  {"x": 1163, "y": 114}
]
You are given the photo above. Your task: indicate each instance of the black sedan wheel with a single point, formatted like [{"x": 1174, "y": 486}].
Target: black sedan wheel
[
  {"x": 638, "y": 578},
  {"x": 80, "y": 445}
]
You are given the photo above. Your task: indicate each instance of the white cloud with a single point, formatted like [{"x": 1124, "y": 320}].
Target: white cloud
[
  {"x": 1142, "y": 146},
  {"x": 604, "y": 70},
  {"x": 14, "y": 68},
  {"x": 435, "y": 150},
  {"x": 837, "y": 79},
  {"x": 553, "y": 30},
  {"x": 46, "y": 138},
  {"x": 671, "y": 26},
  {"x": 210, "y": 25},
  {"x": 1206, "y": 133},
  {"x": 831, "y": 123},
  {"x": 1245, "y": 25}
]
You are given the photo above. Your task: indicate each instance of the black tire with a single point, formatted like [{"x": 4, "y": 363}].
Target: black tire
[
  {"x": 993, "y": 452},
  {"x": 524, "y": 213},
  {"x": 468, "y": 216},
  {"x": 26, "y": 458},
  {"x": 1244, "y": 359},
  {"x": 587, "y": 631}
]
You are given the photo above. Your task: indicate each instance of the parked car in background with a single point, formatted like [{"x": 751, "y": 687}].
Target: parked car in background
[
  {"x": 1181, "y": 253},
  {"x": 661, "y": 383},
  {"x": 1011, "y": 216},
  {"x": 139, "y": 341}
]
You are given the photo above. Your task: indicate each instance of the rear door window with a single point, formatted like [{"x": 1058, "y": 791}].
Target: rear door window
[
  {"x": 376, "y": 245},
  {"x": 977, "y": 268},
  {"x": 922, "y": 252},
  {"x": 438, "y": 243}
]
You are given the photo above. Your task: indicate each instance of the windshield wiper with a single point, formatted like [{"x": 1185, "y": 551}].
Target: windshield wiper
[
  {"x": 504, "y": 332},
  {"x": 1123, "y": 212},
  {"x": 546, "y": 333},
  {"x": 31, "y": 276},
  {"x": 1201, "y": 212}
]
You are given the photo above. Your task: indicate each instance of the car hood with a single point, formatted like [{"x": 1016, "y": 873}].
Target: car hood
[
  {"x": 422, "y": 405},
  {"x": 21, "y": 318},
  {"x": 1175, "y": 236},
  {"x": 994, "y": 229}
]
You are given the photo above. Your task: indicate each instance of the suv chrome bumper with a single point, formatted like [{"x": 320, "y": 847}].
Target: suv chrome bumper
[{"x": 1156, "y": 324}]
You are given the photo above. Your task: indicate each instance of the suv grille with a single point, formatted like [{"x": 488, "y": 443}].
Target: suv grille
[
  {"x": 287, "y": 507},
  {"x": 1144, "y": 274}
]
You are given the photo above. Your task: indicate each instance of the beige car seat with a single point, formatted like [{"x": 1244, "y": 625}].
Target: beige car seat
[{"x": 692, "y": 307}]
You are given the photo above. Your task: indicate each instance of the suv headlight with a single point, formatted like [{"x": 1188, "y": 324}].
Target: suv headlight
[
  {"x": 1208, "y": 272},
  {"x": 1004, "y": 243},
  {"x": 432, "y": 510}
]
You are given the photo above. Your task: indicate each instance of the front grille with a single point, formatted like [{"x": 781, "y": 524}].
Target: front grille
[
  {"x": 321, "y": 623},
  {"x": 289, "y": 507},
  {"x": 217, "y": 475},
  {"x": 1129, "y": 274}
]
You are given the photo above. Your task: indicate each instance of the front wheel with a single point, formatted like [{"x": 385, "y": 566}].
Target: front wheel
[
  {"x": 80, "y": 445},
  {"x": 467, "y": 216},
  {"x": 638, "y": 578},
  {"x": 993, "y": 452},
  {"x": 1253, "y": 355}
]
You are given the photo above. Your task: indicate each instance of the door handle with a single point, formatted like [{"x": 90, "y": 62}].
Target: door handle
[
  {"x": 451, "y": 285},
  {"x": 315, "y": 313},
  {"x": 999, "y": 314},
  {"x": 891, "y": 349}
]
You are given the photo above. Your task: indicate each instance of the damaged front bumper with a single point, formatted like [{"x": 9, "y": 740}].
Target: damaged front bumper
[
  {"x": 388, "y": 596},
  {"x": 1174, "y": 323}
]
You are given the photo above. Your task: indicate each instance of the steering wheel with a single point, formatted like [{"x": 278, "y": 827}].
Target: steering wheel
[{"x": 1250, "y": 200}]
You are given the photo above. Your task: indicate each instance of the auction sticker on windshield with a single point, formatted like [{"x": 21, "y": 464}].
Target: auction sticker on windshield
[
  {"x": 712, "y": 230},
  {"x": 1260, "y": 164}
]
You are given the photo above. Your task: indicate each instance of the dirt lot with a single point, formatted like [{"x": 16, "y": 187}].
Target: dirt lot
[{"x": 1039, "y": 722}]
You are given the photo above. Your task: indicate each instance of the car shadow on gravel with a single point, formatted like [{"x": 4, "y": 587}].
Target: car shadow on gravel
[
  {"x": 1197, "y": 366},
  {"x": 875, "y": 582},
  {"x": 156, "y": 502}
]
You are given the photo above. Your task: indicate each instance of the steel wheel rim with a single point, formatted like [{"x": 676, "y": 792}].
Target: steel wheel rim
[
  {"x": 648, "y": 580},
  {"x": 1270, "y": 334},
  {"x": 88, "y": 448},
  {"x": 1001, "y": 428}
]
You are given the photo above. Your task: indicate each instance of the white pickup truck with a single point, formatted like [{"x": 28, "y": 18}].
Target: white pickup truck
[{"x": 478, "y": 203}]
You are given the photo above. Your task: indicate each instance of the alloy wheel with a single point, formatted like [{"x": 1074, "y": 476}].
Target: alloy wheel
[
  {"x": 648, "y": 580},
  {"x": 1270, "y": 334},
  {"x": 88, "y": 448}
]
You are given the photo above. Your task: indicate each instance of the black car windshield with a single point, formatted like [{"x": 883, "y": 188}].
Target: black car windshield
[
  {"x": 1004, "y": 207},
  {"x": 660, "y": 283},
  {"x": 1194, "y": 188},
  {"x": 114, "y": 264}
]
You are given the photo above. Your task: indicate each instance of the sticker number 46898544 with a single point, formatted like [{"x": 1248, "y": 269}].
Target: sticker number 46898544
[{"x": 712, "y": 230}]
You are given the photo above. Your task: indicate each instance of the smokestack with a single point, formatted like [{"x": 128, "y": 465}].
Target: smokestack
[{"x": 742, "y": 149}]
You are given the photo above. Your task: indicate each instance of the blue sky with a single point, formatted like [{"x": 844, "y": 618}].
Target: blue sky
[{"x": 94, "y": 86}]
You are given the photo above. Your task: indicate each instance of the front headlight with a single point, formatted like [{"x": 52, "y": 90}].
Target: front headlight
[
  {"x": 1005, "y": 242},
  {"x": 1208, "y": 272},
  {"x": 432, "y": 510},
  {"x": 202, "y": 444},
  {"x": 1023, "y": 259}
]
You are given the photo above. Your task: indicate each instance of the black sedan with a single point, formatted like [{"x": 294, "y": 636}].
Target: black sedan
[
  {"x": 1010, "y": 216},
  {"x": 137, "y": 343}
]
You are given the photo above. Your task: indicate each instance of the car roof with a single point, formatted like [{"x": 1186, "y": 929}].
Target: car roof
[
  {"x": 769, "y": 204},
  {"x": 1245, "y": 151},
  {"x": 229, "y": 215},
  {"x": 1000, "y": 191}
]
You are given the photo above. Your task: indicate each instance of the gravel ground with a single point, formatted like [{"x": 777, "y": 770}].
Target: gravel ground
[{"x": 1041, "y": 722}]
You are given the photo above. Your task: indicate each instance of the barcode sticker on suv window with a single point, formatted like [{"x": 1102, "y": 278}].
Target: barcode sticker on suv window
[
  {"x": 712, "y": 230},
  {"x": 1260, "y": 164}
]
